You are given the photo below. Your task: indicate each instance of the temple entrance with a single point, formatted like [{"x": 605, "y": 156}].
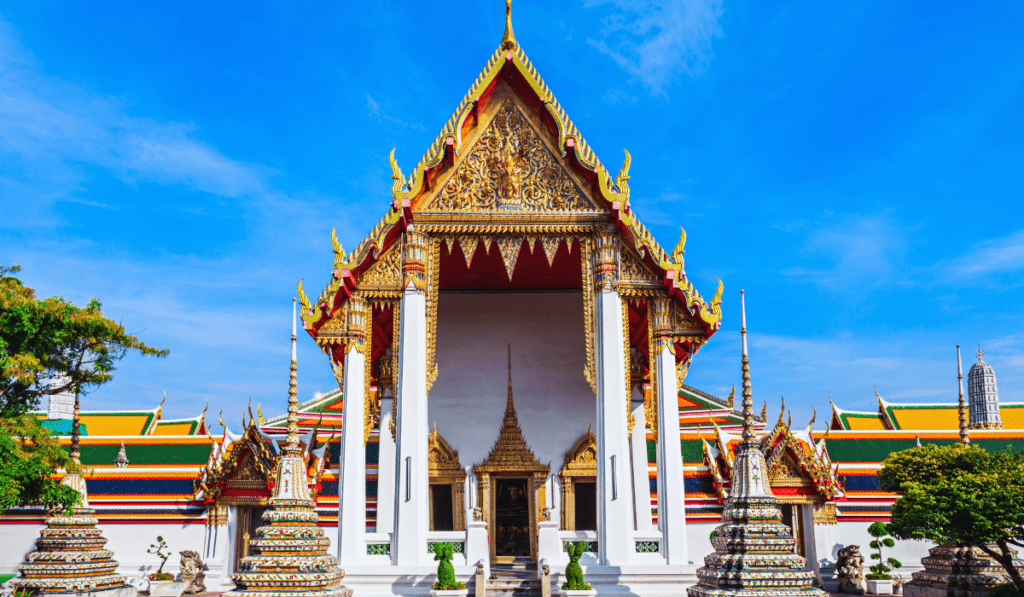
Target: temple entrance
[
  {"x": 249, "y": 519},
  {"x": 511, "y": 518}
]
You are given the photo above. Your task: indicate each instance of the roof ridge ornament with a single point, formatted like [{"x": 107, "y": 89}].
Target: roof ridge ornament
[{"x": 508, "y": 40}]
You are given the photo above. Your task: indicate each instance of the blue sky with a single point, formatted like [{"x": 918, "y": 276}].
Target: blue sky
[{"x": 855, "y": 167}]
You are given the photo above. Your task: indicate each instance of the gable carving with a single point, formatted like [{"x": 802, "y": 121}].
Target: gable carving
[
  {"x": 386, "y": 272},
  {"x": 633, "y": 270},
  {"x": 510, "y": 168}
]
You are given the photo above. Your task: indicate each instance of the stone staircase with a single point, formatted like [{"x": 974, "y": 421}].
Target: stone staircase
[{"x": 513, "y": 580}]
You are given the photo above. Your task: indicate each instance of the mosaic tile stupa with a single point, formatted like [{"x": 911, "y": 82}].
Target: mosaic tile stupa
[
  {"x": 755, "y": 553},
  {"x": 70, "y": 557},
  {"x": 290, "y": 551}
]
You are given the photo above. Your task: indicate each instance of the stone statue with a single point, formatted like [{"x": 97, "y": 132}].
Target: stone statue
[
  {"x": 478, "y": 513},
  {"x": 192, "y": 572},
  {"x": 850, "y": 570}
]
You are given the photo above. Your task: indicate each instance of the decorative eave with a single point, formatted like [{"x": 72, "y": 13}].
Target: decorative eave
[
  {"x": 811, "y": 457},
  {"x": 509, "y": 63}
]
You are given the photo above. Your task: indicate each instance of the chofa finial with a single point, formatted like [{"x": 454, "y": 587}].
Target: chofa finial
[{"x": 508, "y": 40}]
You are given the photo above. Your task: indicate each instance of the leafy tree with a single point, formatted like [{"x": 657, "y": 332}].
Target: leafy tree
[
  {"x": 28, "y": 455},
  {"x": 50, "y": 346},
  {"x": 881, "y": 570},
  {"x": 959, "y": 495},
  {"x": 47, "y": 347}
]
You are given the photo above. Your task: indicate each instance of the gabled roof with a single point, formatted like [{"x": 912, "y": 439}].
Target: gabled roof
[
  {"x": 324, "y": 410},
  {"x": 508, "y": 66},
  {"x": 924, "y": 416}
]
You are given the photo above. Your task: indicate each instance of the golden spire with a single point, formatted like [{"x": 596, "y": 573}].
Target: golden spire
[
  {"x": 964, "y": 439},
  {"x": 748, "y": 395},
  {"x": 76, "y": 454},
  {"x": 508, "y": 40},
  {"x": 510, "y": 407},
  {"x": 980, "y": 353},
  {"x": 292, "y": 444}
]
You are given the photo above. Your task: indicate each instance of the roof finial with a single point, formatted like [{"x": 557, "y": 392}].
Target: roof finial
[
  {"x": 980, "y": 353},
  {"x": 748, "y": 395},
  {"x": 508, "y": 40},
  {"x": 292, "y": 445},
  {"x": 964, "y": 439}
]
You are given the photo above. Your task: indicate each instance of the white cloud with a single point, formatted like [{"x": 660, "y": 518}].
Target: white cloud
[
  {"x": 51, "y": 130},
  {"x": 379, "y": 111},
  {"x": 656, "y": 40},
  {"x": 856, "y": 250},
  {"x": 999, "y": 255}
]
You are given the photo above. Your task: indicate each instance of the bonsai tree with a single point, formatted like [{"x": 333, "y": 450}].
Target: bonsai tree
[
  {"x": 445, "y": 573},
  {"x": 958, "y": 495},
  {"x": 157, "y": 549},
  {"x": 881, "y": 570},
  {"x": 573, "y": 573}
]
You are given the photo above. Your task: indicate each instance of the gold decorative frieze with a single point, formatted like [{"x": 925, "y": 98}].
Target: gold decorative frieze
[
  {"x": 651, "y": 395},
  {"x": 433, "y": 278},
  {"x": 357, "y": 319},
  {"x": 510, "y": 168},
  {"x": 589, "y": 313},
  {"x": 825, "y": 513},
  {"x": 627, "y": 368}
]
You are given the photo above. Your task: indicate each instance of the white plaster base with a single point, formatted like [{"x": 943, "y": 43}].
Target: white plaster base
[{"x": 411, "y": 581}]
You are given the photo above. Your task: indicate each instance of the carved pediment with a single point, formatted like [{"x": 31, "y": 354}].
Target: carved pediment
[
  {"x": 386, "y": 273},
  {"x": 634, "y": 270},
  {"x": 510, "y": 168},
  {"x": 582, "y": 458},
  {"x": 442, "y": 459}
]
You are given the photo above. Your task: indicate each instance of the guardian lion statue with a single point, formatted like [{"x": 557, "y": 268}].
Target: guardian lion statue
[
  {"x": 192, "y": 572},
  {"x": 850, "y": 570}
]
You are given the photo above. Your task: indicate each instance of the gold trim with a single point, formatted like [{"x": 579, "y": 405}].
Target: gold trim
[
  {"x": 396, "y": 341},
  {"x": 589, "y": 310},
  {"x": 628, "y": 367},
  {"x": 369, "y": 397},
  {"x": 433, "y": 276}
]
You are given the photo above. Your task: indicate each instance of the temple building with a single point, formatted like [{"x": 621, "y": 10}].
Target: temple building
[{"x": 511, "y": 346}]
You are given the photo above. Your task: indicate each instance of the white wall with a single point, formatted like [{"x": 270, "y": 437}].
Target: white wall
[{"x": 553, "y": 400}]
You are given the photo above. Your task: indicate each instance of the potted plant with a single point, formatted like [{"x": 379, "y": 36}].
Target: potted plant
[
  {"x": 880, "y": 581},
  {"x": 575, "y": 585},
  {"x": 446, "y": 585},
  {"x": 162, "y": 584}
]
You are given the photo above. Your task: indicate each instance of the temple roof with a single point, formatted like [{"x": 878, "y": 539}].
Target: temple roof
[
  {"x": 508, "y": 71},
  {"x": 925, "y": 416}
]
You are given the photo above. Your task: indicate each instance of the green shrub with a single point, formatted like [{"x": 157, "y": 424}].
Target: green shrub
[
  {"x": 881, "y": 570},
  {"x": 445, "y": 572},
  {"x": 573, "y": 573}
]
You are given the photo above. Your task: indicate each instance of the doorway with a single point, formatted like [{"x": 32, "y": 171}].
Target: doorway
[
  {"x": 249, "y": 519},
  {"x": 791, "y": 517},
  {"x": 511, "y": 519}
]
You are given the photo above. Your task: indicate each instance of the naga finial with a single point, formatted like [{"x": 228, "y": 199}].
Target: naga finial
[
  {"x": 399, "y": 182},
  {"x": 304, "y": 300},
  {"x": 677, "y": 253},
  {"x": 622, "y": 179},
  {"x": 508, "y": 40}
]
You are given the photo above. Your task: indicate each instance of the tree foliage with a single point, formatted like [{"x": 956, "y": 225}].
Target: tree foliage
[
  {"x": 28, "y": 455},
  {"x": 50, "y": 346},
  {"x": 959, "y": 495}
]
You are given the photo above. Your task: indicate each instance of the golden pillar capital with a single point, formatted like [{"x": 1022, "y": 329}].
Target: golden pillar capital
[
  {"x": 416, "y": 247},
  {"x": 606, "y": 253}
]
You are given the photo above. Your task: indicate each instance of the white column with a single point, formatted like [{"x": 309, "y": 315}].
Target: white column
[
  {"x": 215, "y": 556},
  {"x": 386, "y": 471},
  {"x": 614, "y": 485},
  {"x": 352, "y": 468},
  {"x": 409, "y": 543},
  {"x": 671, "y": 488},
  {"x": 823, "y": 549},
  {"x": 641, "y": 480}
]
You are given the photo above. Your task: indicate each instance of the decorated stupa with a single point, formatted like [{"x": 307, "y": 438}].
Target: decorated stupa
[
  {"x": 948, "y": 569},
  {"x": 70, "y": 557},
  {"x": 289, "y": 553},
  {"x": 754, "y": 552}
]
